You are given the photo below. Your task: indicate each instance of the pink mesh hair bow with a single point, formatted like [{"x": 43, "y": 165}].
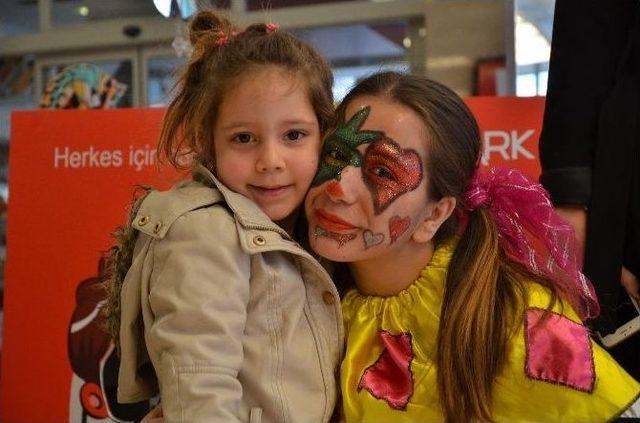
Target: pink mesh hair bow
[{"x": 533, "y": 234}]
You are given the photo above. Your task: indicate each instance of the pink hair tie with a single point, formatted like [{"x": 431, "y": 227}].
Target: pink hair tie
[
  {"x": 533, "y": 234},
  {"x": 222, "y": 39},
  {"x": 271, "y": 26}
]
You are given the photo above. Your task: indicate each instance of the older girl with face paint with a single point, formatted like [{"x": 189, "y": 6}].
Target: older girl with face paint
[{"x": 468, "y": 300}]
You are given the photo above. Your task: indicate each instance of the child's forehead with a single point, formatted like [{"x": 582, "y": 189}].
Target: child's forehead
[{"x": 268, "y": 85}]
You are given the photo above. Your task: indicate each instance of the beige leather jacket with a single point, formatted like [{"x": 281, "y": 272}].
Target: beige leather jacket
[{"x": 239, "y": 322}]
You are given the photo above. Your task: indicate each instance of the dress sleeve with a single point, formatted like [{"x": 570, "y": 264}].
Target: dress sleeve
[
  {"x": 589, "y": 38},
  {"x": 198, "y": 294}
]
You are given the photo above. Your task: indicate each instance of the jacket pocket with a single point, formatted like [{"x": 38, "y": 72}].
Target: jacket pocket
[{"x": 255, "y": 415}]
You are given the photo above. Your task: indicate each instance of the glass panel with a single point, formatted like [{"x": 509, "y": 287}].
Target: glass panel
[
  {"x": 75, "y": 11},
  {"x": 277, "y": 4},
  {"x": 121, "y": 70},
  {"x": 18, "y": 18},
  {"x": 161, "y": 76},
  {"x": 16, "y": 93},
  {"x": 526, "y": 85},
  {"x": 356, "y": 51},
  {"x": 533, "y": 26},
  {"x": 543, "y": 76},
  {"x": 532, "y": 80}
]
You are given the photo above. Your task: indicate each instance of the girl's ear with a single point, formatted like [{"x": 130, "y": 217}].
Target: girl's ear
[{"x": 440, "y": 211}]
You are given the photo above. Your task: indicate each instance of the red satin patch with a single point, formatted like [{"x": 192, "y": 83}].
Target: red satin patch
[
  {"x": 390, "y": 378},
  {"x": 558, "y": 351},
  {"x": 404, "y": 165}
]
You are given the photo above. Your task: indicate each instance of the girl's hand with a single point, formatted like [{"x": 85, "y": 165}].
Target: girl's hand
[
  {"x": 154, "y": 416},
  {"x": 630, "y": 283}
]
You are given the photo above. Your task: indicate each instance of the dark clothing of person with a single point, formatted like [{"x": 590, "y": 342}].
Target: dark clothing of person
[{"x": 590, "y": 145}]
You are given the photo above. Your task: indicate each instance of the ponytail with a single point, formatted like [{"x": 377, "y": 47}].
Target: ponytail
[
  {"x": 117, "y": 263},
  {"x": 475, "y": 321}
]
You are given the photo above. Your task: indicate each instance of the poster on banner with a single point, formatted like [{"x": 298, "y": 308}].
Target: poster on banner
[{"x": 72, "y": 175}]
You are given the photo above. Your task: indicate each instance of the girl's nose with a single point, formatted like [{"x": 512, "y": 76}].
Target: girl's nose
[
  {"x": 270, "y": 158},
  {"x": 344, "y": 190}
]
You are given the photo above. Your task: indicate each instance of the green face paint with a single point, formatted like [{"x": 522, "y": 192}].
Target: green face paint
[{"x": 339, "y": 150}]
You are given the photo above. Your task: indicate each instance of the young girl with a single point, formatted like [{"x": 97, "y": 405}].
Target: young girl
[
  {"x": 469, "y": 302},
  {"x": 221, "y": 310}
]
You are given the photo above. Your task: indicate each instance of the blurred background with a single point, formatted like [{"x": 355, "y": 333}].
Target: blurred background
[{"x": 477, "y": 47}]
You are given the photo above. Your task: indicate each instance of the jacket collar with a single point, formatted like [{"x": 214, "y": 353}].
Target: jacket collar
[{"x": 246, "y": 211}]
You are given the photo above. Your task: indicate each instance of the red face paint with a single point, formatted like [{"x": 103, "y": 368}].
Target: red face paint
[
  {"x": 334, "y": 189},
  {"x": 390, "y": 171},
  {"x": 398, "y": 226}
]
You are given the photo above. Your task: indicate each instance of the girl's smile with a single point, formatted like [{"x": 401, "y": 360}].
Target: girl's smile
[{"x": 271, "y": 192}]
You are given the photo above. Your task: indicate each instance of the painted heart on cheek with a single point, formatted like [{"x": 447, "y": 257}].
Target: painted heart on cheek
[
  {"x": 390, "y": 171},
  {"x": 371, "y": 239},
  {"x": 398, "y": 226}
]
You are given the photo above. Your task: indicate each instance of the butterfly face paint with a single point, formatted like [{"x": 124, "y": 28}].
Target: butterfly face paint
[
  {"x": 339, "y": 150},
  {"x": 390, "y": 171}
]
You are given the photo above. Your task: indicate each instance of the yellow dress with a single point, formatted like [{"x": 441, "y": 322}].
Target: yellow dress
[{"x": 389, "y": 373}]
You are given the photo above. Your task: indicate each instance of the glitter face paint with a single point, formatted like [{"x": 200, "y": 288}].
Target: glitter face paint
[
  {"x": 398, "y": 226},
  {"x": 382, "y": 197},
  {"x": 341, "y": 239},
  {"x": 390, "y": 171},
  {"x": 339, "y": 150}
]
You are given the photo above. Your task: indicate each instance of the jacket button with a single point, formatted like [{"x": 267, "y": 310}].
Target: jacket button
[
  {"x": 328, "y": 298},
  {"x": 259, "y": 240},
  {"x": 143, "y": 220}
]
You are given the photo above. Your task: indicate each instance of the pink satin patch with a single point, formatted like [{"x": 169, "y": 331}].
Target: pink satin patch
[
  {"x": 558, "y": 351},
  {"x": 390, "y": 378}
]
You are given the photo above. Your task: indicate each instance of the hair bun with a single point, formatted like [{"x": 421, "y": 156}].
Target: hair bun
[
  {"x": 258, "y": 29},
  {"x": 207, "y": 26}
]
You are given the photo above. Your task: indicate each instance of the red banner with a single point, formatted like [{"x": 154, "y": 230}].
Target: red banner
[{"x": 72, "y": 174}]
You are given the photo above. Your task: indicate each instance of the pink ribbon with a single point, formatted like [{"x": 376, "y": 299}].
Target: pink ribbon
[{"x": 533, "y": 234}]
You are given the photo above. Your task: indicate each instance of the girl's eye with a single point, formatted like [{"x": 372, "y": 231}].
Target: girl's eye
[
  {"x": 294, "y": 135},
  {"x": 243, "y": 138},
  {"x": 337, "y": 155},
  {"x": 383, "y": 172}
]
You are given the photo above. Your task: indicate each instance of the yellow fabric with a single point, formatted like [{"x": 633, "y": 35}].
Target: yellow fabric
[{"x": 416, "y": 310}]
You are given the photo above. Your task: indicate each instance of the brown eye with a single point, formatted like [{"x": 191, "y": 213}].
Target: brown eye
[
  {"x": 294, "y": 135},
  {"x": 243, "y": 138},
  {"x": 337, "y": 155},
  {"x": 383, "y": 172}
]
